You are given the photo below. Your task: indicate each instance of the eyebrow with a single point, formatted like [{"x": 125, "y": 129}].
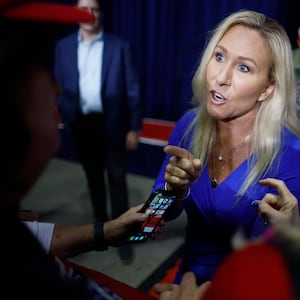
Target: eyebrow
[{"x": 239, "y": 57}]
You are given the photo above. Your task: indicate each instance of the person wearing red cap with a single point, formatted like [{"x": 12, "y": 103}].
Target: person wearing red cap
[
  {"x": 243, "y": 132},
  {"x": 30, "y": 138},
  {"x": 268, "y": 268}
]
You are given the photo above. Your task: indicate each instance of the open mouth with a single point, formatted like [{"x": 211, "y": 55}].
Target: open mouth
[{"x": 217, "y": 97}]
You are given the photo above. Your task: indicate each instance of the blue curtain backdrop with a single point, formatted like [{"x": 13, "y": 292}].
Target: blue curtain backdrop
[{"x": 167, "y": 37}]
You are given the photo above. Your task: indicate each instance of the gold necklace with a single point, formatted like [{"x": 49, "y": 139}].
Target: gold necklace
[{"x": 235, "y": 149}]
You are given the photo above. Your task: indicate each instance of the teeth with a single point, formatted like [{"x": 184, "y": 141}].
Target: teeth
[{"x": 218, "y": 96}]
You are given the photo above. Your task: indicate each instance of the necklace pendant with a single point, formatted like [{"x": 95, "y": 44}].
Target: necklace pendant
[{"x": 214, "y": 182}]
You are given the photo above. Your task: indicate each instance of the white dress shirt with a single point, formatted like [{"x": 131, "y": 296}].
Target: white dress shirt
[{"x": 90, "y": 68}]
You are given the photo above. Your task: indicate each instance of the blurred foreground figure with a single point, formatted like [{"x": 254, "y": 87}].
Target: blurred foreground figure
[
  {"x": 30, "y": 138},
  {"x": 268, "y": 268}
]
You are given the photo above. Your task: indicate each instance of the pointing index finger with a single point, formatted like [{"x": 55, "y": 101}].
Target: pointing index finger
[{"x": 178, "y": 152}]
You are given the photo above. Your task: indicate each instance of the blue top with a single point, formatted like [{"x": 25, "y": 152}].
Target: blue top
[{"x": 214, "y": 215}]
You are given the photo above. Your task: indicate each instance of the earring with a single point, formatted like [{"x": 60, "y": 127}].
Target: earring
[{"x": 261, "y": 99}]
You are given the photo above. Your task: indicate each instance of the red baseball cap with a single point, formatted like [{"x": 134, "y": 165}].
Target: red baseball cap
[
  {"x": 43, "y": 11},
  {"x": 258, "y": 272}
]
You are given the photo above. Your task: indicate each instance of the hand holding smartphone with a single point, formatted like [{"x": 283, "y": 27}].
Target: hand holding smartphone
[{"x": 158, "y": 205}]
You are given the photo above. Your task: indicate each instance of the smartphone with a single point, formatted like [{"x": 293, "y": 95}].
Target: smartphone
[{"x": 158, "y": 205}]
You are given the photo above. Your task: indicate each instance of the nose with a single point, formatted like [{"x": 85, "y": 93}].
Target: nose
[
  {"x": 224, "y": 74},
  {"x": 93, "y": 10}
]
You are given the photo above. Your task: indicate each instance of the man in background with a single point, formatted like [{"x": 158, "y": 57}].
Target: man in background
[{"x": 100, "y": 103}]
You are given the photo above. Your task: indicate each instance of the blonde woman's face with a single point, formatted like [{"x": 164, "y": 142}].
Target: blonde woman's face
[{"x": 237, "y": 74}]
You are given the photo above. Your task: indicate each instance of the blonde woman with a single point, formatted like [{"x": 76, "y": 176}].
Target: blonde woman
[{"x": 243, "y": 129}]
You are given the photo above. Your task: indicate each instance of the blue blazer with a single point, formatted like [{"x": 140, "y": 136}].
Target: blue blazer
[{"x": 120, "y": 89}]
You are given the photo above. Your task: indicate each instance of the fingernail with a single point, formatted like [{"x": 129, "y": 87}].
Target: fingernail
[{"x": 255, "y": 204}]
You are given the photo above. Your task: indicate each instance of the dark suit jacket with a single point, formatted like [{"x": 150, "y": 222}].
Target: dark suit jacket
[{"x": 120, "y": 91}]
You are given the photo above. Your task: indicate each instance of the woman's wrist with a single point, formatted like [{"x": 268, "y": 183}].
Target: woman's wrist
[{"x": 179, "y": 196}]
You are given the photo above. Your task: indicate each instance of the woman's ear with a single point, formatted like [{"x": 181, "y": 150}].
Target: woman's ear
[{"x": 268, "y": 90}]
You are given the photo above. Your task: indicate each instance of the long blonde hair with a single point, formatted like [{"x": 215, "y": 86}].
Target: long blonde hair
[{"x": 277, "y": 112}]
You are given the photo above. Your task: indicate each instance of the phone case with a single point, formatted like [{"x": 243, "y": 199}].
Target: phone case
[{"x": 159, "y": 204}]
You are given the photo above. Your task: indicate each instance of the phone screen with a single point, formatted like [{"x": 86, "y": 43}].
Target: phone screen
[{"x": 158, "y": 203}]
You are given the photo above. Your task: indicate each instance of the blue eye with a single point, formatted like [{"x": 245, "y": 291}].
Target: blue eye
[
  {"x": 219, "y": 57},
  {"x": 244, "y": 68}
]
